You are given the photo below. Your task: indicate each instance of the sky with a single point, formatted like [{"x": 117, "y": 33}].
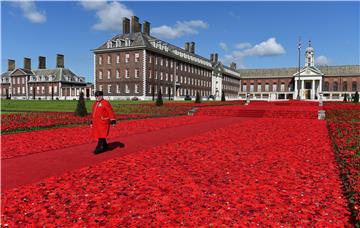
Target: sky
[{"x": 251, "y": 34}]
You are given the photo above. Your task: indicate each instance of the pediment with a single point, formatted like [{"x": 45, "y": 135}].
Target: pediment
[
  {"x": 18, "y": 72},
  {"x": 309, "y": 71}
]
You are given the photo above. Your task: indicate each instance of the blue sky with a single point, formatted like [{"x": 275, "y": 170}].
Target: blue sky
[{"x": 252, "y": 34}]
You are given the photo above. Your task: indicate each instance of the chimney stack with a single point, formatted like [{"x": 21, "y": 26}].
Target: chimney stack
[
  {"x": 139, "y": 25},
  {"x": 215, "y": 57},
  {"x": 233, "y": 66},
  {"x": 192, "y": 47},
  {"x": 211, "y": 57},
  {"x": 187, "y": 46},
  {"x": 11, "y": 64},
  {"x": 42, "y": 62},
  {"x": 27, "y": 63},
  {"x": 126, "y": 25},
  {"x": 146, "y": 27},
  {"x": 134, "y": 24},
  {"x": 59, "y": 61}
]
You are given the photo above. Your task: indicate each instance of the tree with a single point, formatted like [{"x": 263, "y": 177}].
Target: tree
[
  {"x": 198, "y": 98},
  {"x": 81, "y": 107},
  {"x": 223, "y": 96},
  {"x": 356, "y": 97},
  {"x": 159, "y": 100}
]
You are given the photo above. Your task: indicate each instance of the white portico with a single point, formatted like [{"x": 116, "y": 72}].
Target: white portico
[{"x": 308, "y": 84}]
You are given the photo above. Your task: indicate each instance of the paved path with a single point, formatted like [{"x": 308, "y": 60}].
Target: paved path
[{"x": 32, "y": 168}]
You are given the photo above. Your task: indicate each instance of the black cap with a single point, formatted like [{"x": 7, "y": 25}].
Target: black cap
[{"x": 99, "y": 93}]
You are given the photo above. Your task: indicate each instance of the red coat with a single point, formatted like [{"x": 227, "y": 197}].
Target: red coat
[{"x": 102, "y": 113}]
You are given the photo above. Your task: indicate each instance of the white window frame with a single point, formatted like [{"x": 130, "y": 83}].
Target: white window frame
[
  {"x": 126, "y": 73},
  {"x": 117, "y": 88},
  {"x": 109, "y": 88},
  {"x": 136, "y": 88},
  {"x": 109, "y": 59},
  {"x": 100, "y": 74},
  {"x": 108, "y": 74},
  {"x": 127, "y": 90},
  {"x": 117, "y": 73}
]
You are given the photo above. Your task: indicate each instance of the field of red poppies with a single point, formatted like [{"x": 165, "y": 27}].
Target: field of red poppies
[
  {"x": 343, "y": 121},
  {"x": 217, "y": 178},
  {"x": 278, "y": 169}
]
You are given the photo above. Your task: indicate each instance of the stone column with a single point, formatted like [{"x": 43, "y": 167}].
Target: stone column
[
  {"x": 302, "y": 90},
  {"x": 313, "y": 90},
  {"x": 295, "y": 89},
  {"x": 320, "y": 85}
]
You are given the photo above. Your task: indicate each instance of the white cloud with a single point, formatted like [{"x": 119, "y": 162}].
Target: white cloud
[
  {"x": 223, "y": 46},
  {"x": 110, "y": 14},
  {"x": 243, "y": 45},
  {"x": 266, "y": 48},
  {"x": 30, "y": 12},
  {"x": 181, "y": 28},
  {"x": 322, "y": 60}
]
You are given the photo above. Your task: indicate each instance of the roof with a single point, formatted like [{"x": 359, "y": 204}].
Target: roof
[
  {"x": 57, "y": 74},
  {"x": 290, "y": 71}
]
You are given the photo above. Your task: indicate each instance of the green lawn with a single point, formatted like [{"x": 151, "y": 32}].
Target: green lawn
[
  {"x": 55, "y": 105},
  {"x": 51, "y": 105}
]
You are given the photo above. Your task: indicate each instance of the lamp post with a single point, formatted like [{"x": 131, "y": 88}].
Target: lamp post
[{"x": 298, "y": 89}]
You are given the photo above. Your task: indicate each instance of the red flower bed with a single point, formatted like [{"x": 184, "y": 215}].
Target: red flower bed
[
  {"x": 35, "y": 120},
  {"x": 344, "y": 129},
  {"x": 24, "y": 143},
  {"x": 284, "y": 176},
  {"x": 269, "y": 111}
]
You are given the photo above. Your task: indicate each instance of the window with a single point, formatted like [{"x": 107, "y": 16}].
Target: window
[
  {"x": 23, "y": 80},
  {"x": 109, "y": 88},
  {"x": 18, "y": 80},
  {"x": 109, "y": 59},
  {"x": 117, "y": 73},
  {"x": 136, "y": 73},
  {"x": 156, "y": 75},
  {"x": 244, "y": 88},
  {"x": 100, "y": 60},
  {"x": 156, "y": 60},
  {"x": 31, "y": 89},
  {"x": 267, "y": 87},
  {"x": 150, "y": 73},
  {"x": 150, "y": 59},
  {"x": 137, "y": 57},
  {"x": 136, "y": 88},
  {"x": 50, "y": 89},
  {"x": 166, "y": 76},
  {"x": 127, "y": 89},
  {"x": 161, "y": 75},
  {"x": 171, "y": 64},
  {"x": 55, "y": 89},
  {"x": 166, "y": 63},
  {"x": 282, "y": 87},
  {"x": 118, "y": 59},
  {"x": 100, "y": 75},
  {"x": 117, "y": 88},
  {"x": 14, "y": 81},
  {"x": 344, "y": 86},
  {"x": 127, "y": 58},
  {"x": 251, "y": 87},
  {"x": 37, "y": 89},
  {"x": 100, "y": 87},
  {"x": 354, "y": 86},
  {"x": 274, "y": 87},
  {"x": 161, "y": 61},
  {"x": 258, "y": 88},
  {"x": 171, "y": 77},
  {"x": 18, "y": 90},
  {"x": 126, "y": 73},
  {"x": 108, "y": 74},
  {"x": 326, "y": 86},
  {"x": 42, "y": 89},
  {"x": 335, "y": 86}
]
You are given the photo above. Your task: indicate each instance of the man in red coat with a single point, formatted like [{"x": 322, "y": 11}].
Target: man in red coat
[{"x": 102, "y": 116}]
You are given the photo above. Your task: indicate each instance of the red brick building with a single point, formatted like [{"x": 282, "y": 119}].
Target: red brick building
[
  {"x": 136, "y": 64},
  {"x": 42, "y": 83}
]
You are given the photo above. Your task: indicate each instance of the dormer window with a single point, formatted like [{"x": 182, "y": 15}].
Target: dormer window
[{"x": 109, "y": 44}]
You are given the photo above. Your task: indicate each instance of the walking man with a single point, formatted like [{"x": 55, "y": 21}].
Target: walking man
[{"x": 102, "y": 116}]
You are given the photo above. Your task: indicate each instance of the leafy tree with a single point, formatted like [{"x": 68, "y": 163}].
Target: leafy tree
[
  {"x": 198, "y": 98},
  {"x": 81, "y": 107},
  {"x": 356, "y": 97},
  {"x": 159, "y": 100},
  {"x": 223, "y": 96}
]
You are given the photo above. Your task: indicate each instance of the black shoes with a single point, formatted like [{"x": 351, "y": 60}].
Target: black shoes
[{"x": 102, "y": 146}]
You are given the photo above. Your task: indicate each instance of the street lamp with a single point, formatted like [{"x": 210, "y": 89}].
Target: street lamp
[{"x": 298, "y": 84}]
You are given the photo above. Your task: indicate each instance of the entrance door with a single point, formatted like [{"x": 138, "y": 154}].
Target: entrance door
[{"x": 307, "y": 93}]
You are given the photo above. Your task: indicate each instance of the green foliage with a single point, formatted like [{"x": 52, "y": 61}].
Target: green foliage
[
  {"x": 223, "y": 96},
  {"x": 159, "y": 100},
  {"x": 356, "y": 97},
  {"x": 81, "y": 107},
  {"x": 198, "y": 98}
]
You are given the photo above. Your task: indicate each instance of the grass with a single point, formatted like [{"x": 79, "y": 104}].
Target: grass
[{"x": 51, "y": 105}]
